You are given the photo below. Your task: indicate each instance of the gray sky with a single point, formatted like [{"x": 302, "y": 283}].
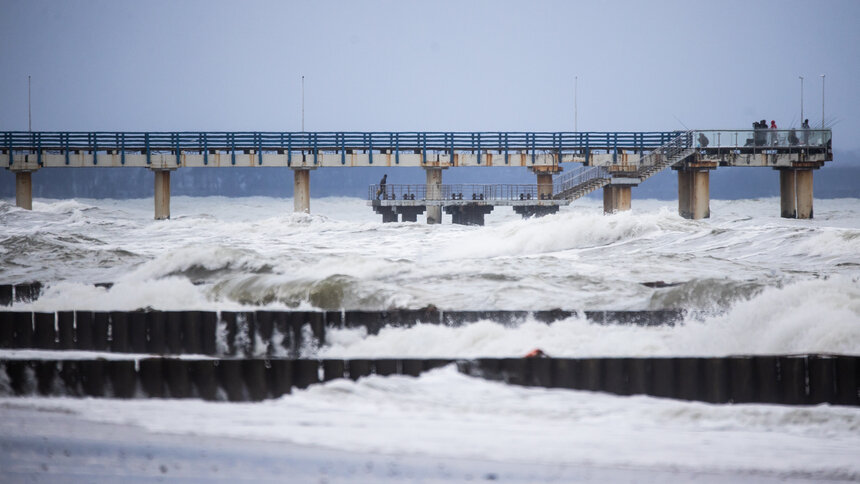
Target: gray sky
[{"x": 441, "y": 66}]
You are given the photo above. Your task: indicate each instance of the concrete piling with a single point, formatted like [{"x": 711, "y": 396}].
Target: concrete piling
[
  {"x": 24, "y": 190},
  {"x": 616, "y": 198},
  {"x": 162, "y": 194},
  {"x": 804, "y": 194},
  {"x": 787, "y": 194},
  {"x": 434, "y": 192},
  {"x": 301, "y": 190}
]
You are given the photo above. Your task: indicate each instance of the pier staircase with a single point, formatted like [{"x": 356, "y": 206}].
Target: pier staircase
[
  {"x": 665, "y": 156},
  {"x": 587, "y": 179},
  {"x": 581, "y": 182}
]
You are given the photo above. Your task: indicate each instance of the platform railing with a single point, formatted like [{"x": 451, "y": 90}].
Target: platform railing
[
  {"x": 762, "y": 138},
  {"x": 463, "y": 191}
]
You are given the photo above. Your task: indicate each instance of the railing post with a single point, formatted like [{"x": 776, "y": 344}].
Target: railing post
[
  {"x": 65, "y": 139},
  {"x": 259, "y": 148},
  {"x": 95, "y": 145},
  {"x": 397, "y": 148},
  {"x": 205, "y": 150},
  {"x": 232, "y": 148},
  {"x": 146, "y": 145}
]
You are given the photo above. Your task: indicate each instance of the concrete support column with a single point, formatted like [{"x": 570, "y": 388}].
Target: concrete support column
[
  {"x": 434, "y": 192},
  {"x": 804, "y": 193},
  {"x": 24, "y": 190},
  {"x": 787, "y": 194},
  {"x": 616, "y": 198},
  {"x": 544, "y": 186},
  {"x": 162, "y": 194},
  {"x": 685, "y": 189},
  {"x": 694, "y": 194},
  {"x": 301, "y": 190}
]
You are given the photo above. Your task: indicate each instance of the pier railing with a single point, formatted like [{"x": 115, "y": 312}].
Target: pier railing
[
  {"x": 330, "y": 141},
  {"x": 476, "y": 192},
  {"x": 762, "y": 138}
]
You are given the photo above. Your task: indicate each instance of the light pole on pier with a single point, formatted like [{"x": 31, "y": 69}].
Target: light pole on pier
[
  {"x": 303, "y": 104},
  {"x": 29, "y": 108},
  {"x": 801, "y": 99},
  {"x": 822, "y": 100},
  {"x": 575, "y": 107}
]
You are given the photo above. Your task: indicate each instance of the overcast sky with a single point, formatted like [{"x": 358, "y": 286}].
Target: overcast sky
[{"x": 440, "y": 66}]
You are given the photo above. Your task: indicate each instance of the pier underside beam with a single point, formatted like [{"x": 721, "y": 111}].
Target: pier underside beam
[
  {"x": 694, "y": 194},
  {"x": 528, "y": 211},
  {"x": 302, "y": 190},
  {"x": 410, "y": 214},
  {"x": 24, "y": 189},
  {"x": 616, "y": 198},
  {"x": 468, "y": 214},
  {"x": 162, "y": 194},
  {"x": 434, "y": 192}
]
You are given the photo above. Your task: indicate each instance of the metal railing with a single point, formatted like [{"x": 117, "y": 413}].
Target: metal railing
[
  {"x": 465, "y": 192},
  {"x": 579, "y": 177},
  {"x": 762, "y": 138},
  {"x": 332, "y": 141},
  {"x": 664, "y": 154}
]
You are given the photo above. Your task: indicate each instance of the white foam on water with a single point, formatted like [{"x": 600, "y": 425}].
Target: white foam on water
[
  {"x": 444, "y": 413},
  {"x": 819, "y": 316}
]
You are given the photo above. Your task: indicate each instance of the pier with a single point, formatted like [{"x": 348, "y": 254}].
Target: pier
[{"x": 566, "y": 165}]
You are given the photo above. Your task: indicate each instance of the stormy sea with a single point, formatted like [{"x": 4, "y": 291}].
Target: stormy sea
[{"x": 752, "y": 282}]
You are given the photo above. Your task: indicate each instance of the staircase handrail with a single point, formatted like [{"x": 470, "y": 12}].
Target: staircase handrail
[{"x": 579, "y": 177}]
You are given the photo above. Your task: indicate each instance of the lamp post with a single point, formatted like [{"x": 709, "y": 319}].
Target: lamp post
[
  {"x": 575, "y": 106},
  {"x": 29, "y": 108},
  {"x": 801, "y": 99},
  {"x": 822, "y": 100},
  {"x": 303, "y": 104}
]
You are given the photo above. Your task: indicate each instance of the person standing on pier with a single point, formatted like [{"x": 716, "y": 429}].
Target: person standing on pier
[
  {"x": 805, "y": 127},
  {"x": 381, "y": 190},
  {"x": 774, "y": 137}
]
